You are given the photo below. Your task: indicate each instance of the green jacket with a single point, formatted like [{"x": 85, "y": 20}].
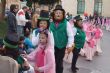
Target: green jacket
[
  {"x": 79, "y": 38},
  {"x": 60, "y": 34}
]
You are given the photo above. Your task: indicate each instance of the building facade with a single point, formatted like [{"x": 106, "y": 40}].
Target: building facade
[
  {"x": 101, "y": 7},
  {"x": 17, "y": 2},
  {"x": 9, "y": 2}
]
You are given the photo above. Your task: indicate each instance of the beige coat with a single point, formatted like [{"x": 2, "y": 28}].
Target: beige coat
[{"x": 8, "y": 65}]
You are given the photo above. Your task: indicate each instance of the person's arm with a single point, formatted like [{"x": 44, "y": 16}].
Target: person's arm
[
  {"x": 74, "y": 31},
  {"x": 31, "y": 56},
  {"x": 51, "y": 39},
  {"x": 70, "y": 34},
  {"x": 22, "y": 18}
]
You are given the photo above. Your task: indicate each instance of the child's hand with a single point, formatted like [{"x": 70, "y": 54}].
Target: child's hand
[
  {"x": 69, "y": 49},
  {"x": 24, "y": 52},
  {"x": 37, "y": 69}
]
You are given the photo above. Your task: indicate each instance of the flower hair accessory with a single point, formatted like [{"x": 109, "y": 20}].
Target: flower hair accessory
[{"x": 74, "y": 20}]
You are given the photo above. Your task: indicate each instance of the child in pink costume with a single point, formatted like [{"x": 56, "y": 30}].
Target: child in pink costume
[
  {"x": 86, "y": 28},
  {"x": 43, "y": 56},
  {"x": 99, "y": 20},
  {"x": 103, "y": 22},
  {"x": 90, "y": 44},
  {"x": 98, "y": 35},
  {"x": 107, "y": 23}
]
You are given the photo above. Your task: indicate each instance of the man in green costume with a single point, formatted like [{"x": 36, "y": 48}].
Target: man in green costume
[{"x": 63, "y": 36}]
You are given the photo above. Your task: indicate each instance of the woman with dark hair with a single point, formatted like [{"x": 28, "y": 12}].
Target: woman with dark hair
[{"x": 79, "y": 40}]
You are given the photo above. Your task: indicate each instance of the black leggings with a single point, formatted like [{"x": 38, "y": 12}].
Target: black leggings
[{"x": 75, "y": 57}]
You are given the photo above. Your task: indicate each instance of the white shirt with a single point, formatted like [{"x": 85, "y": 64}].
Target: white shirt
[
  {"x": 20, "y": 16},
  {"x": 70, "y": 34}
]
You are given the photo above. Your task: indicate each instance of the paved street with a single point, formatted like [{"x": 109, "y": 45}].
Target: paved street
[{"x": 100, "y": 64}]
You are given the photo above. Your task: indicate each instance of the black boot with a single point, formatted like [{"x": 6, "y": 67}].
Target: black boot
[{"x": 74, "y": 70}]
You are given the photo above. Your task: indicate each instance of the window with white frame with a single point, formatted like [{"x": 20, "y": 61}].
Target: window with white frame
[
  {"x": 98, "y": 7},
  {"x": 80, "y": 6}
]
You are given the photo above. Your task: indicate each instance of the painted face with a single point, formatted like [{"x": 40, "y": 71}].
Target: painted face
[
  {"x": 42, "y": 39},
  {"x": 58, "y": 15},
  {"x": 43, "y": 25}
]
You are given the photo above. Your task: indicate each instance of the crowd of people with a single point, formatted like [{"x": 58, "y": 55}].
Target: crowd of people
[{"x": 39, "y": 44}]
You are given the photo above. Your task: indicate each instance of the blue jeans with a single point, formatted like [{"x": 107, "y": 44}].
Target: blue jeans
[{"x": 20, "y": 30}]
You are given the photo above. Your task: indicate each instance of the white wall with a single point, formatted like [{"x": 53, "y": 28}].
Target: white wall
[
  {"x": 89, "y": 6},
  {"x": 70, "y": 6},
  {"x": 106, "y": 8},
  {"x": 22, "y": 4}
]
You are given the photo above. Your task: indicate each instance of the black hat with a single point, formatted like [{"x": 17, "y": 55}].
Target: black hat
[
  {"x": 78, "y": 17},
  {"x": 59, "y": 7},
  {"x": 44, "y": 15}
]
